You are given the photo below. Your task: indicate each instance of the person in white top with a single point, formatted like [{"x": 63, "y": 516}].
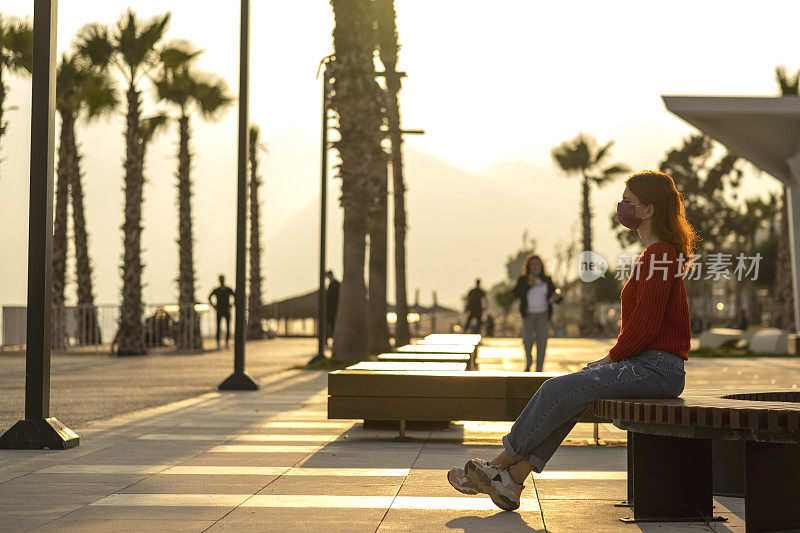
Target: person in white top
[{"x": 537, "y": 293}]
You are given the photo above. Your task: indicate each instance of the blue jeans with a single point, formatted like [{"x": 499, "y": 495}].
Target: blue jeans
[
  {"x": 535, "y": 324},
  {"x": 560, "y": 402}
]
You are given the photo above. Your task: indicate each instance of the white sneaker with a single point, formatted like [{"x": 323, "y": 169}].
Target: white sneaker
[
  {"x": 496, "y": 483},
  {"x": 457, "y": 477}
]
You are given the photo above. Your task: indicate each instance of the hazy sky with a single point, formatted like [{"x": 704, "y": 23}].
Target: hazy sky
[{"x": 488, "y": 81}]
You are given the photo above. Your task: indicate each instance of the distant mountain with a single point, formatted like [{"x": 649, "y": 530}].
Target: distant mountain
[{"x": 462, "y": 225}]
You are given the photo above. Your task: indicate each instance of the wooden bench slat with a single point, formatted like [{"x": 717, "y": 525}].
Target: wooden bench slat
[
  {"x": 410, "y": 408},
  {"x": 478, "y": 384},
  {"x": 408, "y": 366}
]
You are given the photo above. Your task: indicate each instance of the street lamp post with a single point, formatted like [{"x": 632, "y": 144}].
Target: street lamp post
[
  {"x": 38, "y": 430},
  {"x": 322, "y": 312},
  {"x": 239, "y": 380}
]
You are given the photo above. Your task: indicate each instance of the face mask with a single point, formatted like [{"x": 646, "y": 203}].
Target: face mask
[{"x": 626, "y": 217}]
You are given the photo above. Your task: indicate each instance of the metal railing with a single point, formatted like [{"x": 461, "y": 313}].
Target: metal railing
[{"x": 87, "y": 328}]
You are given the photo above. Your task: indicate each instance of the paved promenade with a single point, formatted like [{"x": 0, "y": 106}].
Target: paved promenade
[
  {"x": 92, "y": 386},
  {"x": 271, "y": 461}
]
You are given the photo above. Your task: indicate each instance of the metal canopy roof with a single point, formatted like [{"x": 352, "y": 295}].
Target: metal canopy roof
[{"x": 763, "y": 130}]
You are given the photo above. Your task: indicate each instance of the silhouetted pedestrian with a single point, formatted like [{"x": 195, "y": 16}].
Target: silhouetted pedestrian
[
  {"x": 489, "y": 325},
  {"x": 474, "y": 309},
  {"x": 331, "y": 304},
  {"x": 220, "y": 300},
  {"x": 742, "y": 322}
]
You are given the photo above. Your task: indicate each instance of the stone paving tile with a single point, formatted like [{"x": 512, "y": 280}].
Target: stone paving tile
[
  {"x": 244, "y": 459},
  {"x": 584, "y": 489},
  {"x": 141, "y": 525},
  {"x": 334, "y": 486},
  {"x": 472, "y": 521},
  {"x": 20, "y": 517},
  {"x": 589, "y": 458},
  {"x": 308, "y": 520},
  {"x": 428, "y": 482},
  {"x": 34, "y": 485},
  {"x": 199, "y": 484},
  {"x": 562, "y": 515}
]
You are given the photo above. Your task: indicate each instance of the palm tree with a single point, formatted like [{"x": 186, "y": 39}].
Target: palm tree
[
  {"x": 377, "y": 214},
  {"x": 254, "y": 304},
  {"x": 388, "y": 47},
  {"x": 582, "y": 157},
  {"x": 356, "y": 102},
  {"x": 186, "y": 90},
  {"x": 82, "y": 92},
  {"x": 130, "y": 47},
  {"x": 789, "y": 85},
  {"x": 16, "y": 56}
]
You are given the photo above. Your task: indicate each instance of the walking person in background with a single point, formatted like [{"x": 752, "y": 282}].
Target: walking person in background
[
  {"x": 331, "y": 304},
  {"x": 220, "y": 300},
  {"x": 490, "y": 325},
  {"x": 475, "y": 300},
  {"x": 536, "y": 293},
  {"x": 647, "y": 361}
]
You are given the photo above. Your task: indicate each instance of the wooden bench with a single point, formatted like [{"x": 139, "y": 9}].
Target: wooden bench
[
  {"x": 427, "y": 357},
  {"x": 451, "y": 338},
  {"x": 434, "y": 396},
  {"x": 670, "y": 454},
  {"x": 463, "y": 349},
  {"x": 408, "y": 366}
]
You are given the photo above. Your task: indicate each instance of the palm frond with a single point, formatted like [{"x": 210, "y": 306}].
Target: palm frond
[
  {"x": 615, "y": 170},
  {"x": 211, "y": 95},
  {"x": 153, "y": 126},
  {"x": 178, "y": 53},
  {"x": 174, "y": 88},
  {"x": 94, "y": 44},
  {"x": 602, "y": 153},
  {"x": 254, "y": 136},
  {"x": 136, "y": 40},
  {"x": 100, "y": 96},
  {"x": 17, "y": 45}
]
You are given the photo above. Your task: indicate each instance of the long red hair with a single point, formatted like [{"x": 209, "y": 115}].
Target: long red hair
[{"x": 669, "y": 219}]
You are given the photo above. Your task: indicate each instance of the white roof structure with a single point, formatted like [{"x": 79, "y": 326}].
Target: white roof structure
[
  {"x": 766, "y": 132},
  {"x": 763, "y": 130}
]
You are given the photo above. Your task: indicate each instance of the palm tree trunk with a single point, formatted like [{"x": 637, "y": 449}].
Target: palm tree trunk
[
  {"x": 388, "y": 47},
  {"x": 377, "y": 223},
  {"x": 88, "y": 326},
  {"x": 355, "y": 100},
  {"x": 130, "y": 337},
  {"x": 254, "y": 304},
  {"x": 63, "y": 172},
  {"x": 588, "y": 324},
  {"x": 188, "y": 327},
  {"x": 783, "y": 273},
  {"x": 3, "y": 125}
]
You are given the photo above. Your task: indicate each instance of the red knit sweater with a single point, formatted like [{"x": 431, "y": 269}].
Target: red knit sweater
[{"x": 655, "y": 311}]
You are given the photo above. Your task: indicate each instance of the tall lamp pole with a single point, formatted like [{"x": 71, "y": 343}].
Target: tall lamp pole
[
  {"x": 38, "y": 430},
  {"x": 239, "y": 380},
  {"x": 322, "y": 314}
]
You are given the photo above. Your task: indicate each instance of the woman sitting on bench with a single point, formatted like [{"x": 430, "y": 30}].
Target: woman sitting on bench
[{"x": 646, "y": 361}]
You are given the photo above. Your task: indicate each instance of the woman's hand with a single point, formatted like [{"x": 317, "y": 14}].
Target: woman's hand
[{"x": 599, "y": 362}]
